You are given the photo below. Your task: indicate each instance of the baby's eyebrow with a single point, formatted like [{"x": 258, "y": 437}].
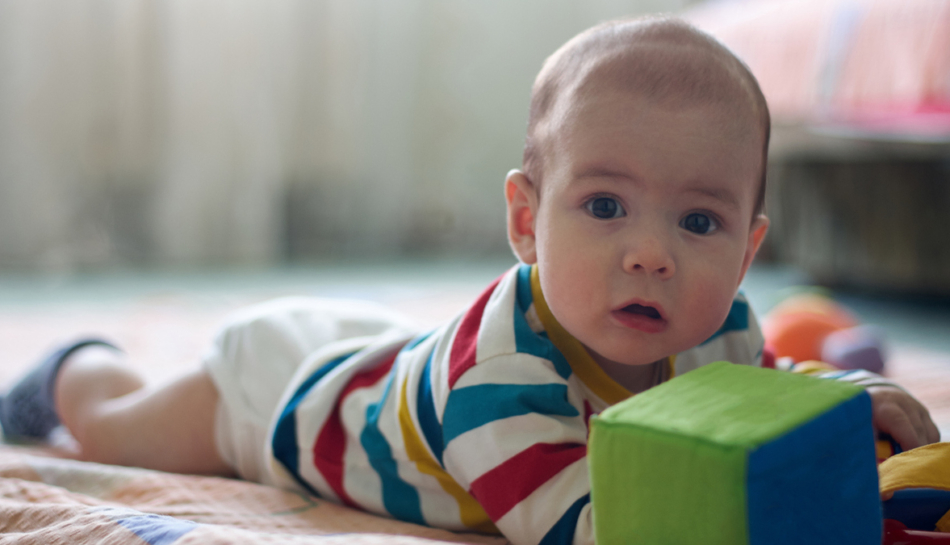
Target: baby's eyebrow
[
  {"x": 724, "y": 196},
  {"x": 603, "y": 172}
]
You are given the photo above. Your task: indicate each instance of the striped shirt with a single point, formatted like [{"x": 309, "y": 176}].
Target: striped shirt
[{"x": 480, "y": 425}]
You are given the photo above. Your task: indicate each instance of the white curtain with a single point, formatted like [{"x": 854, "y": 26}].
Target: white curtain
[{"x": 243, "y": 131}]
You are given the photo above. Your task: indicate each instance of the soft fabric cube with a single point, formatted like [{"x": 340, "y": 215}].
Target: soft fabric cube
[{"x": 737, "y": 455}]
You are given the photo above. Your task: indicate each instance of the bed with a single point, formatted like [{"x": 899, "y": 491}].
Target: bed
[{"x": 45, "y": 497}]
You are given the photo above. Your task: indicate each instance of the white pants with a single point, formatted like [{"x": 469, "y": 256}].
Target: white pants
[{"x": 257, "y": 352}]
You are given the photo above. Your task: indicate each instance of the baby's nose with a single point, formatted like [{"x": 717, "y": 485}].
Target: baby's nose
[{"x": 650, "y": 256}]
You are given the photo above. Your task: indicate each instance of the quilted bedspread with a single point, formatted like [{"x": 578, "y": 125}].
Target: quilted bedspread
[{"x": 48, "y": 500}]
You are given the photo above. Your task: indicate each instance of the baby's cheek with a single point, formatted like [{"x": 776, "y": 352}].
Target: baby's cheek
[
  {"x": 570, "y": 276},
  {"x": 709, "y": 305}
]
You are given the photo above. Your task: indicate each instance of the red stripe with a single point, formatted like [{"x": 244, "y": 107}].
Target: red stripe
[
  {"x": 331, "y": 442},
  {"x": 588, "y": 412},
  {"x": 462, "y": 356},
  {"x": 516, "y": 478}
]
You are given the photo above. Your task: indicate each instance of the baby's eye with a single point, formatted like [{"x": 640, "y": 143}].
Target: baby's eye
[
  {"x": 699, "y": 223},
  {"x": 605, "y": 208}
]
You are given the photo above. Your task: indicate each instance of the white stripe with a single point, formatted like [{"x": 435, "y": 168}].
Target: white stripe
[
  {"x": 517, "y": 368},
  {"x": 314, "y": 409},
  {"x": 496, "y": 332},
  {"x": 438, "y": 507},
  {"x": 584, "y": 532},
  {"x": 578, "y": 393},
  {"x": 360, "y": 480},
  {"x": 485, "y": 344},
  {"x": 474, "y": 453},
  {"x": 439, "y": 370},
  {"x": 534, "y": 516}
]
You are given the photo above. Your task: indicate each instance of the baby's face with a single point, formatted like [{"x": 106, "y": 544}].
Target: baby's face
[{"x": 643, "y": 226}]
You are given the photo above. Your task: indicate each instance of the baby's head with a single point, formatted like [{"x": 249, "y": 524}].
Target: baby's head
[
  {"x": 662, "y": 60},
  {"x": 642, "y": 187}
]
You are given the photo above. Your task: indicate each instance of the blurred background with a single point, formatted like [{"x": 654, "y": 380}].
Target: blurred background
[
  {"x": 163, "y": 162},
  {"x": 182, "y": 134}
]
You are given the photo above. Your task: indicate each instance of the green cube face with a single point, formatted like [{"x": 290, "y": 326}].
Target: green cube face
[{"x": 733, "y": 454}]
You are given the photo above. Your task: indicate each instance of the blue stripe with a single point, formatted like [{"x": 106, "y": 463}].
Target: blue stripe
[
  {"x": 563, "y": 530},
  {"x": 425, "y": 408},
  {"x": 416, "y": 341},
  {"x": 284, "y": 442},
  {"x": 737, "y": 320},
  {"x": 836, "y": 375},
  {"x": 399, "y": 498},
  {"x": 526, "y": 340},
  {"x": 529, "y": 342},
  {"x": 524, "y": 288},
  {"x": 474, "y": 406}
]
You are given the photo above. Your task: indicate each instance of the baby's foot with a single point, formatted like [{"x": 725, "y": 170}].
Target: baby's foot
[{"x": 28, "y": 409}]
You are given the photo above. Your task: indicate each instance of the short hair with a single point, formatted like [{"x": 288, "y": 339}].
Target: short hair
[{"x": 660, "y": 58}]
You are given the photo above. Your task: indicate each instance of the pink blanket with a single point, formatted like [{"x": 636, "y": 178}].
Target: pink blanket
[{"x": 53, "y": 500}]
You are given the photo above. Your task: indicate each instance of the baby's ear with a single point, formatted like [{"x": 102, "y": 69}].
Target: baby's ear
[
  {"x": 522, "y": 210},
  {"x": 760, "y": 226}
]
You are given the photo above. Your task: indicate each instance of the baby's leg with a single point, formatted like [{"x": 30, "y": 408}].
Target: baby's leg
[{"x": 116, "y": 419}]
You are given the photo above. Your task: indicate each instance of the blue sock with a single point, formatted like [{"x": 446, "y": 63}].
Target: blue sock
[{"x": 28, "y": 409}]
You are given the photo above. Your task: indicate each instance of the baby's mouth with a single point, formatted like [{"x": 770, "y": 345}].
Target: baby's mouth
[
  {"x": 644, "y": 318},
  {"x": 642, "y": 310}
]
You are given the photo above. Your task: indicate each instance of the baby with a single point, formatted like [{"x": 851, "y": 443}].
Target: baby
[{"x": 635, "y": 218}]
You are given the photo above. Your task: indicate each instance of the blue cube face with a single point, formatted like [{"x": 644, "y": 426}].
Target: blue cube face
[{"x": 818, "y": 483}]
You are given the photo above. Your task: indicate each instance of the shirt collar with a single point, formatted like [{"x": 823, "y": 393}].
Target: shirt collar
[{"x": 580, "y": 360}]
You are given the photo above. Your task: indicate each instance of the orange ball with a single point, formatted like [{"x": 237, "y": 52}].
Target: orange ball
[{"x": 798, "y": 326}]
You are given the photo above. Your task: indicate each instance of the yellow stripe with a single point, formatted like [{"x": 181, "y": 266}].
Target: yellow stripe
[
  {"x": 470, "y": 511},
  {"x": 577, "y": 356}
]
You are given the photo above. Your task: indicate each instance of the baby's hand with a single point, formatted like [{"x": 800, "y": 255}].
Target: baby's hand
[{"x": 898, "y": 414}]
